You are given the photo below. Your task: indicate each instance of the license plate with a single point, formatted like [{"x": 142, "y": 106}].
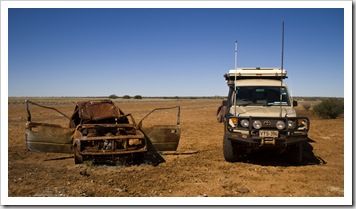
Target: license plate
[{"x": 270, "y": 134}]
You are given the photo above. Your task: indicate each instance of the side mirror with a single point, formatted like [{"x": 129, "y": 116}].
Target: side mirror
[{"x": 295, "y": 103}]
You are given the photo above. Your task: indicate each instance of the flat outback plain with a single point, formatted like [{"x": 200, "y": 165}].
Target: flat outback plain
[{"x": 197, "y": 170}]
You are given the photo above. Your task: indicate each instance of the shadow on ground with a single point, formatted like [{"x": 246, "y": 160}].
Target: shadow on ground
[{"x": 272, "y": 158}]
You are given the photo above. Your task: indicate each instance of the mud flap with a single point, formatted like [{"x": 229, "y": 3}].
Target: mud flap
[{"x": 42, "y": 137}]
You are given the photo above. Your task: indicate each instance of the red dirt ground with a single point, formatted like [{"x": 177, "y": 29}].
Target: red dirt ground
[{"x": 202, "y": 174}]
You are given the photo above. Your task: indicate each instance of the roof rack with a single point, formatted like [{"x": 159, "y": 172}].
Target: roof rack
[{"x": 256, "y": 73}]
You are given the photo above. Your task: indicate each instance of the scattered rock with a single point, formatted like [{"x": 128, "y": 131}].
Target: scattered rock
[
  {"x": 242, "y": 190},
  {"x": 110, "y": 181},
  {"x": 84, "y": 173},
  {"x": 87, "y": 194},
  {"x": 203, "y": 195},
  {"x": 120, "y": 190}
]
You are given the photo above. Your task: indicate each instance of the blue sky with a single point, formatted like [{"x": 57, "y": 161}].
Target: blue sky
[{"x": 171, "y": 51}]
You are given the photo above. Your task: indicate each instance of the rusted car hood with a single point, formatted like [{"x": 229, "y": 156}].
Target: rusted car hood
[{"x": 97, "y": 110}]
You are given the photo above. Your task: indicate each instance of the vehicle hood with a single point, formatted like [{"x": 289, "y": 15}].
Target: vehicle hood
[
  {"x": 96, "y": 110},
  {"x": 263, "y": 111}
]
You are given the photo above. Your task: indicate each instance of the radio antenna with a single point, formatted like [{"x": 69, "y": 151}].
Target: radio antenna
[
  {"x": 235, "y": 54},
  {"x": 280, "y": 90},
  {"x": 235, "y": 77}
]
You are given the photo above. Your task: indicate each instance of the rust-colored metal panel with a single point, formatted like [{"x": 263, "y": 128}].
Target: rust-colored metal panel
[
  {"x": 43, "y": 137},
  {"x": 97, "y": 110},
  {"x": 163, "y": 137}
]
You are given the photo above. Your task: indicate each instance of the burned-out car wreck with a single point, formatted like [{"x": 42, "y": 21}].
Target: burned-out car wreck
[{"x": 99, "y": 130}]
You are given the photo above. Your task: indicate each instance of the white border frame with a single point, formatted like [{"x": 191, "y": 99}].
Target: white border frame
[{"x": 346, "y": 200}]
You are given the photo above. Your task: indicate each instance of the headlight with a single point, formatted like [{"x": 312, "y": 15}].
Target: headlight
[
  {"x": 280, "y": 125},
  {"x": 302, "y": 124},
  {"x": 244, "y": 123},
  {"x": 291, "y": 124},
  {"x": 257, "y": 124},
  {"x": 233, "y": 122},
  {"x": 135, "y": 142}
]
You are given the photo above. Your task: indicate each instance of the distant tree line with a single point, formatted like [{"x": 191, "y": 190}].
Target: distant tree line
[{"x": 114, "y": 96}]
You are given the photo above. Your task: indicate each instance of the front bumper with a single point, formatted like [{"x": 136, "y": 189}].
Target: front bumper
[
  {"x": 259, "y": 141},
  {"x": 251, "y": 135}
]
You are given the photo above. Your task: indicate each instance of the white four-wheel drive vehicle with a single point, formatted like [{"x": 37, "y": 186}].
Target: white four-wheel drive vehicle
[{"x": 259, "y": 113}]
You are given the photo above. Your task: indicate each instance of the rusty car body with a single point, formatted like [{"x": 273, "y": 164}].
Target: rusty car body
[{"x": 100, "y": 130}]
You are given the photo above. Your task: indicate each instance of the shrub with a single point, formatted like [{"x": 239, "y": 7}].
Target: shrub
[
  {"x": 306, "y": 106},
  {"x": 113, "y": 96},
  {"x": 329, "y": 108},
  {"x": 126, "y": 97},
  {"x": 138, "y": 97}
]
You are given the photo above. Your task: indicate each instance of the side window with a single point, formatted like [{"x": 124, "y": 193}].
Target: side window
[{"x": 284, "y": 95}]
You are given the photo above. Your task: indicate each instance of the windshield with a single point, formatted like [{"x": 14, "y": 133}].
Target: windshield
[{"x": 261, "y": 96}]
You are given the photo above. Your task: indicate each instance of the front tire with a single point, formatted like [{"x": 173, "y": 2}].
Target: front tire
[{"x": 230, "y": 152}]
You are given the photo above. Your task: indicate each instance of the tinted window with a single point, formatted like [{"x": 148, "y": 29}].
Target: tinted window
[{"x": 261, "y": 95}]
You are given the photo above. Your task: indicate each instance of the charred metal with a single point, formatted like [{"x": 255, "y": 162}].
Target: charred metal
[{"x": 99, "y": 129}]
